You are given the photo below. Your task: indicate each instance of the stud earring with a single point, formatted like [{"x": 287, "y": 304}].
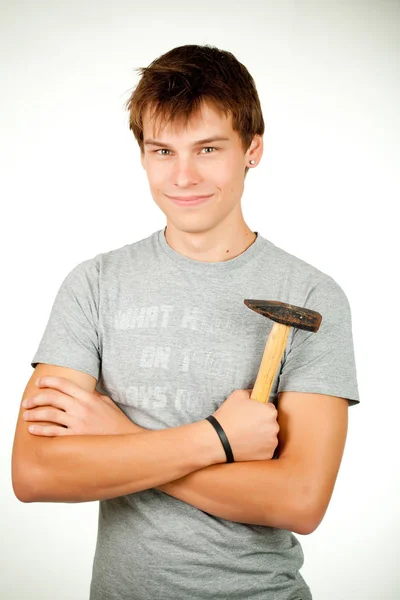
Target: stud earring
[{"x": 252, "y": 162}]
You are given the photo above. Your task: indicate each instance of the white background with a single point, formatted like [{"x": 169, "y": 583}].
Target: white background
[{"x": 72, "y": 186}]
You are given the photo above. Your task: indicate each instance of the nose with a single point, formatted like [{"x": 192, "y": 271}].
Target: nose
[{"x": 185, "y": 173}]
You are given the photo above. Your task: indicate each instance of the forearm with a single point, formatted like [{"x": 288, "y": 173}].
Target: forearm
[
  {"x": 84, "y": 468},
  {"x": 257, "y": 492}
]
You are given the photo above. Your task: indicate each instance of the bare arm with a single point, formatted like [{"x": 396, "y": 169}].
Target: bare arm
[
  {"x": 255, "y": 492},
  {"x": 292, "y": 492},
  {"x": 96, "y": 467},
  {"x": 83, "y": 468}
]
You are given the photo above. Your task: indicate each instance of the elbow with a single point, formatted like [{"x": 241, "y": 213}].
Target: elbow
[
  {"x": 308, "y": 518},
  {"x": 305, "y": 526},
  {"x": 25, "y": 480},
  {"x": 23, "y": 495}
]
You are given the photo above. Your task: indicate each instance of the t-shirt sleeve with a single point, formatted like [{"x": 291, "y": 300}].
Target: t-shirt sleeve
[
  {"x": 71, "y": 337},
  {"x": 323, "y": 362}
]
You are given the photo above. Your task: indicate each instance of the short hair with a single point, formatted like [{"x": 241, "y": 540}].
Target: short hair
[{"x": 175, "y": 85}]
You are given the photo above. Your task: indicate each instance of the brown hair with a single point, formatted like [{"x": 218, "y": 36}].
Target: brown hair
[{"x": 175, "y": 85}]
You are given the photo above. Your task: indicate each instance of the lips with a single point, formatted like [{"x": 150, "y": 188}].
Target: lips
[{"x": 189, "y": 200}]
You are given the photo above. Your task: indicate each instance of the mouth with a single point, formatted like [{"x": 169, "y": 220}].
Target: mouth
[{"x": 189, "y": 200}]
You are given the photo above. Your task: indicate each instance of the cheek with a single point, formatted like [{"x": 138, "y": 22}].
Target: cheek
[
  {"x": 156, "y": 176},
  {"x": 228, "y": 178}
]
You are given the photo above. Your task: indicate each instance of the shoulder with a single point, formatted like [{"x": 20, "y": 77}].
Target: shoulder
[
  {"x": 113, "y": 262},
  {"x": 312, "y": 284}
]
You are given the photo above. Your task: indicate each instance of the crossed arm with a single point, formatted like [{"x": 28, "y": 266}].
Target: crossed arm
[{"x": 292, "y": 492}]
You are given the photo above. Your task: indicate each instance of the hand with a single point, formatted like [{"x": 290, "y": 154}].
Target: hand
[
  {"x": 250, "y": 426},
  {"x": 71, "y": 410}
]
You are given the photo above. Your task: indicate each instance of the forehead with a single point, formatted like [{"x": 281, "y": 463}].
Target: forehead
[{"x": 208, "y": 119}]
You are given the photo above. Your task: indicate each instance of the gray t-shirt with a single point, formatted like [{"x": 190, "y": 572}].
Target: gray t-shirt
[{"x": 168, "y": 338}]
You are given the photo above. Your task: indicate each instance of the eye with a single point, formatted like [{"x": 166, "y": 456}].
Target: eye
[
  {"x": 209, "y": 148},
  {"x": 167, "y": 150},
  {"x": 161, "y": 150}
]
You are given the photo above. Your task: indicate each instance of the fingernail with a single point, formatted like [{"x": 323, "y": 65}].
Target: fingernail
[{"x": 25, "y": 402}]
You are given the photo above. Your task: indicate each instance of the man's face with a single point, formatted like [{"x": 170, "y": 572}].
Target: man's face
[{"x": 182, "y": 167}]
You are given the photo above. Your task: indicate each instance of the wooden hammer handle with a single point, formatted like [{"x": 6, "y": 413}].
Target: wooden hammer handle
[{"x": 273, "y": 352}]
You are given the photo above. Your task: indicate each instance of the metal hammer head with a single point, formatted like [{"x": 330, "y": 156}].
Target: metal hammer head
[{"x": 287, "y": 314}]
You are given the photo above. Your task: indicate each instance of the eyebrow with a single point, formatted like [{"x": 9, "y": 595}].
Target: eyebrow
[{"x": 151, "y": 142}]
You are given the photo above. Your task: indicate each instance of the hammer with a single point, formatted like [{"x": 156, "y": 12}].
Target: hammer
[{"x": 284, "y": 316}]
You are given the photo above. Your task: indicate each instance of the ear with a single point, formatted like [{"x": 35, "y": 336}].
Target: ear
[{"x": 256, "y": 148}]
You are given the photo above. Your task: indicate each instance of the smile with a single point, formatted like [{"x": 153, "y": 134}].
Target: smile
[{"x": 190, "y": 200}]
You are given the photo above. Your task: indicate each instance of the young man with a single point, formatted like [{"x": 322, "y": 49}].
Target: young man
[{"x": 160, "y": 328}]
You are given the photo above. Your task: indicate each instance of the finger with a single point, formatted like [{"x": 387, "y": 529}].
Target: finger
[
  {"x": 49, "y": 397},
  {"x": 47, "y": 414},
  {"x": 49, "y": 430},
  {"x": 64, "y": 385}
]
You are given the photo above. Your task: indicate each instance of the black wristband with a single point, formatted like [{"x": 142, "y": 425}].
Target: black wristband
[{"x": 222, "y": 436}]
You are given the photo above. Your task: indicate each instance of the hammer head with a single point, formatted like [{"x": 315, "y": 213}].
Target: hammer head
[{"x": 287, "y": 314}]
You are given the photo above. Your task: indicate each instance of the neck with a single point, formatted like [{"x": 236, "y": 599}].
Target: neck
[{"x": 210, "y": 245}]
